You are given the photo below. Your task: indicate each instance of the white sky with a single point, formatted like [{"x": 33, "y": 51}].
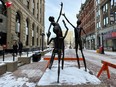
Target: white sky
[{"x": 70, "y": 8}]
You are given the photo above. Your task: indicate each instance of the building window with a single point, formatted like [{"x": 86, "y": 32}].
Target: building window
[
  {"x": 28, "y": 4},
  {"x": 27, "y": 32},
  {"x": 113, "y": 3},
  {"x": 37, "y": 35},
  {"x": 37, "y": 5},
  {"x": 33, "y": 7},
  {"x": 18, "y": 24},
  {"x": 33, "y": 34},
  {"x": 115, "y": 17},
  {"x": 112, "y": 17},
  {"x": 97, "y": 2},
  {"x": 105, "y": 8},
  {"x": 98, "y": 25},
  {"x": 105, "y": 21},
  {"x": 3, "y": 9}
]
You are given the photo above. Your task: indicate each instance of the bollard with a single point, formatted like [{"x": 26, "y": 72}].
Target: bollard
[
  {"x": 3, "y": 54},
  {"x": 4, "y": 47},
  {"x": 27, "y": 53},
  {"x": 13, "y": 57}
]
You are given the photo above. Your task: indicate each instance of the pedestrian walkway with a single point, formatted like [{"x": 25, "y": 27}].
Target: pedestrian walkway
[
  {"x": 105, "y": 52},
  {"x": 35, "y": 70}
]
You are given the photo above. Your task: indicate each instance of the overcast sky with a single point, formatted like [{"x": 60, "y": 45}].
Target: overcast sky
[{"x": 70, "y": 8}]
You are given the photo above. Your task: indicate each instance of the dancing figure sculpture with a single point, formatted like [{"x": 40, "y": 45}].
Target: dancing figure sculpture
[
  {"x": 78, "y": 42},
  {"x": 58, "y": 46},
  {"x": 56, "y": 27}
]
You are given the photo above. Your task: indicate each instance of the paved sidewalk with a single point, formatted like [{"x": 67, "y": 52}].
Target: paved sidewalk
[
  {"x": 32, "y": 71},
  {"x": 35, "y": 70}
]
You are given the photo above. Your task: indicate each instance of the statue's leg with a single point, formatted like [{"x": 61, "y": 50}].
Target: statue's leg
[
  {"x": 63, "y": 58},
  {"x": 52, "y": 60},
  {"x": 59, "y": 57},
  {"x": 80, "y": 44},
  {"x": 76, "y": 49}
]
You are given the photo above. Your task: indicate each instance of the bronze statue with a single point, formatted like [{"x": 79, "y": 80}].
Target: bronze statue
[
  {"x": 58, "y": 46},
  {"x": 78, "y": 41},
  {"x": 56, "y": 27}
]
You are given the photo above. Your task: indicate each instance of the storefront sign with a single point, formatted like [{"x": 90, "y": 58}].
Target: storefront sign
[
  {"x": 110, "y": 35},
  {"x": 113, "y": 34}
]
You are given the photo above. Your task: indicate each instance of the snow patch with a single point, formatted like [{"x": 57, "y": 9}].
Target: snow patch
[
  {"x": 70, "y": 75},
  {"x": 8, "y": 80}
]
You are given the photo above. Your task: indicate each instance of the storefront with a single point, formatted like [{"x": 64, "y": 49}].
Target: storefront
[
  {"x": 90, "y": 42},
  {"x": 110, "y": 40}
]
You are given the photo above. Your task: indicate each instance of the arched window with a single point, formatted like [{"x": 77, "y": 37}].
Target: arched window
[
  {"x": 27, "y": 31},
  {"x": 18, "y": 24},
  {"x": 33, "y": 26},
  {"x": 37, "y": 35},
  {"x": 3, "y": 8}
]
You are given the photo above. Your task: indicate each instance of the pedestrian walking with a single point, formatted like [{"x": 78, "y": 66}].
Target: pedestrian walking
[
  {"x": 15, "y": 48},
  {"x": 20, "y": 47}
]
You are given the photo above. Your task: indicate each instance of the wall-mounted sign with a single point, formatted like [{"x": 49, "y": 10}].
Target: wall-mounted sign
[{"x": 113, "y": 34}]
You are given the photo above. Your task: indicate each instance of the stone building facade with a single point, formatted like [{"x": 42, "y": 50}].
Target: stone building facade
[
  {"x": 25, "y": 22},
  {"x": 108, "y": 24}
]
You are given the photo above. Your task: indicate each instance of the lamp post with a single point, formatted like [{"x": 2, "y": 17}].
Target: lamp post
[{"x": 42, "y": 34}]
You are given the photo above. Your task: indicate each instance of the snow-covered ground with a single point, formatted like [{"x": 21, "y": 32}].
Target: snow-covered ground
[
  {"x": 9, "y": 80},
  {"x": 106, "y": 52},
  {"x": 70, "y": 75}
]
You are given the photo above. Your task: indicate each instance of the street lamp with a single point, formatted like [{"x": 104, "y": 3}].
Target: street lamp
[{"x": 42, "y": 34}]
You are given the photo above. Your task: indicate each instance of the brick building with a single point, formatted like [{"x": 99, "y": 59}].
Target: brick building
[
  {"x": 99, "y": 21},
  {"x": 87, "y": 16},
  {"x": 24, "y": 21}
]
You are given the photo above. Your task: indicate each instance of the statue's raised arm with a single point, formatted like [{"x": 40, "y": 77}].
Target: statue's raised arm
[
  {"x": 60, "y": 12},
  {"x": 66, "y": 28},
  {"x": 68, "y": 20},
  {"x": 49, "y": 27}
]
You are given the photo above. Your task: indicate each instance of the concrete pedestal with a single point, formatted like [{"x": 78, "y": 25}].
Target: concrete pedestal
[
  {"x": 2, "y": 69},
  {"x": 11, "y": 66}
]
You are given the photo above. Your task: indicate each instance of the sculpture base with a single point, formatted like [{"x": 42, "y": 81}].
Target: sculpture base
[{"x": 70, "y": 75}]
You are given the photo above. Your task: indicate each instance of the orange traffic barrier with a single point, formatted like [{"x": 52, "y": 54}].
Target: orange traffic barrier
[
  {"x": 48, "y": 58},
  {"x": 105, "y": 68}
]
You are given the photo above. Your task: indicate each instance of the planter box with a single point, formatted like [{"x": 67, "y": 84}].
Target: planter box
[
  {"x": 11, "y": 66},
  {"x": 2, "y": 69},
  {"x": 25, "y": 60}
]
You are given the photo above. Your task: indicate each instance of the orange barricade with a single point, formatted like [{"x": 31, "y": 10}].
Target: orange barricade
[
  {"x": 48, "y": 58},
  {"x": 105, "y": 68}
]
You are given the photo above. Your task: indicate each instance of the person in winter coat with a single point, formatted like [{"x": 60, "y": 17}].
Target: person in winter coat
[{"x": 15, "y": 48}]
